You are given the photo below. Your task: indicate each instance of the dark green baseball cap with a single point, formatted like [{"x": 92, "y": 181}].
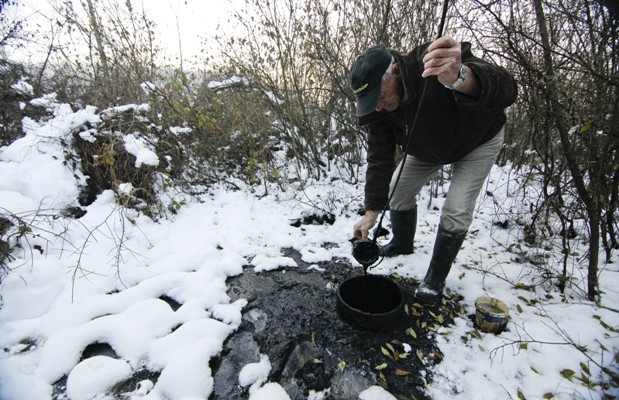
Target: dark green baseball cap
[{"x": 366, "y": 77}]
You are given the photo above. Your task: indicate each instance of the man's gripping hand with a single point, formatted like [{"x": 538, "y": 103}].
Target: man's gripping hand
[{"x": 362, "y": 228}]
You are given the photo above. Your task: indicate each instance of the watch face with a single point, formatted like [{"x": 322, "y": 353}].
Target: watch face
[
  {"x": 461, "y": 78},
  {"x": 463, "y": 72}
]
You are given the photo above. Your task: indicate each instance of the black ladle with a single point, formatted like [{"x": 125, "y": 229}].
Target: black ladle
[{"x": 366, "y": 252}]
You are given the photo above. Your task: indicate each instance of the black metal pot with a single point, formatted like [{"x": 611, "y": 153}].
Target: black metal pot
[{"x": 370, "y": 302}]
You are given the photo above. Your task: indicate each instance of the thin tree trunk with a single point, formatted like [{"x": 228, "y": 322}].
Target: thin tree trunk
[
  {"x": 94, "y": 23},
  {"x": 559, "y": 120},
  {"x": 383, "y": 30}
]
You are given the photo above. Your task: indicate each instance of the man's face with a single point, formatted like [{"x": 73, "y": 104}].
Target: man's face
[{"x": 390, "y": 92}]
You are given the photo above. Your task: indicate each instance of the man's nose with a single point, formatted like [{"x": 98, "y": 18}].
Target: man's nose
[{"x": 380, "y": 105}]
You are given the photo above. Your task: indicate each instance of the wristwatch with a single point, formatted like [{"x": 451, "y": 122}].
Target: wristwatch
[{"x": 461, "y": 77}]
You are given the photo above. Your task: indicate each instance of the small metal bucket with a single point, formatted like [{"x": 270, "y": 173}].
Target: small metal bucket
[
  {"x": 492, "y": 314},
  {"x": 370, "y": 302}
]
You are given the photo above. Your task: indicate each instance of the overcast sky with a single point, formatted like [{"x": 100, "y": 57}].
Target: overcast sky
[{"x": 196, "y": 20}]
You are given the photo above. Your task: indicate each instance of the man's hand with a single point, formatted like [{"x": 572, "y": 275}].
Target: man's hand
[
  {"x": 362, "y": 228},
  {"x": 444, "y": 59}
]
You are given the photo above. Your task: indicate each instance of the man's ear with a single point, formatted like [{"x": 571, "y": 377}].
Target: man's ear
[{"x": 395, "y": 69}]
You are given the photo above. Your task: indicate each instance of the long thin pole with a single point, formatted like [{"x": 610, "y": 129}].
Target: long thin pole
[{"x": 443, "y": 18}]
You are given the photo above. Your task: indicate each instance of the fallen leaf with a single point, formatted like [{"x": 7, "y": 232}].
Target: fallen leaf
[
  {"x": 342, "y": 365},
  {"x": 411, "y": 331},
  {"x": 568, "y": 373},
  {"x": 386, "y": 352}
]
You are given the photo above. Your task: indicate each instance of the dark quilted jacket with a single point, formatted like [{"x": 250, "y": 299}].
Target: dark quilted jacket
[{"x": 448, "y": 125}]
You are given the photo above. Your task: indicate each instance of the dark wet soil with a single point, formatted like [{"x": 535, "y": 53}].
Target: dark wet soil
[{"x": 291, "y": 317}]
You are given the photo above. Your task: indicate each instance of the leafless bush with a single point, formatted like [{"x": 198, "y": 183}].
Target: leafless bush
[
  {"x": 564, "y": 127},
  {"x": 10, "y": 111}
]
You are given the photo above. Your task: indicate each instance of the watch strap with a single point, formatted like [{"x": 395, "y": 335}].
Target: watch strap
[{"x": 461, "y": 77}]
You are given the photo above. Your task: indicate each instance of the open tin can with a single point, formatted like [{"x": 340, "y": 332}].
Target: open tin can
[{"x": 492, "y": 314}]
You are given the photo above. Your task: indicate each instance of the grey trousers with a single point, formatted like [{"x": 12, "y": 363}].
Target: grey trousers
[{"x": 468, "y": 176}]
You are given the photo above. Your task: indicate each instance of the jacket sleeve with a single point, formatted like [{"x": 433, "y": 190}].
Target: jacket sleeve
[
  {"x": 498, "y": 87},
  {"x": 380, "y": 158}
]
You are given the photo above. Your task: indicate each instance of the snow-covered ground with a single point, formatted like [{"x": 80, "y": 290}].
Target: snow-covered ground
[{"x": 99, "y": 279}]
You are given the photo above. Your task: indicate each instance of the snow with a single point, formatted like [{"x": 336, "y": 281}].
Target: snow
[
  {"x": 148, "y": 87},
  {"x": 270, "y": 391},
  {"x": 101, "y": 279},
  {"x": 95, "y": 375},
  {"x": 375, "y": 393},
  {"x": 255, "y": 373},
  {"x": 24, "y": 88},
  {"x": 264, "y": 262},
  {"x": 215, "y": 85},
  {"x": 142, "y": 152}
]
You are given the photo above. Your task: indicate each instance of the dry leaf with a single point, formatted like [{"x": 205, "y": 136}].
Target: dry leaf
[
  {"x": 381, "y": 367},
  {"x": 401, "y": 372}
]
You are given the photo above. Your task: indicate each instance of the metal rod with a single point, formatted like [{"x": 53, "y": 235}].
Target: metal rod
[{"x": 443, "y": 18}]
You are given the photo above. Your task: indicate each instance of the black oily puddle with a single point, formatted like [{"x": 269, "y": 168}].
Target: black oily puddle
[{"x": 291, "y": 317}]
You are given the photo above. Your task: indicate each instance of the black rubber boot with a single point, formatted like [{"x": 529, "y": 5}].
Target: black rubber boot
[
  {"x": 446, "y": 248},
  {"x": 403, "y": 225}
]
